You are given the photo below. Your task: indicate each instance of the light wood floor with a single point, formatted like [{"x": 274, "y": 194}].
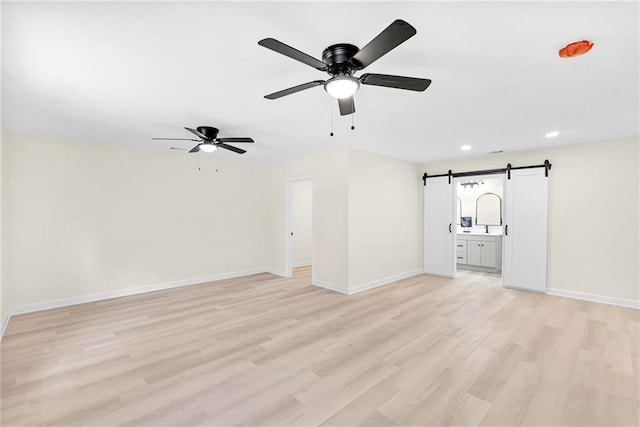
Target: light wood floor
[{"x": 272, "y": 351}]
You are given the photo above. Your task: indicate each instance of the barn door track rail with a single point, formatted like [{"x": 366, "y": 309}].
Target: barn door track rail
[{"x": 546, "y": 165}]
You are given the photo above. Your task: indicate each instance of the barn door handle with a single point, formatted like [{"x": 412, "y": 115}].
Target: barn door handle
[
  {"x": 449, "y": 227},
  {"x": 506, "y": 230}
]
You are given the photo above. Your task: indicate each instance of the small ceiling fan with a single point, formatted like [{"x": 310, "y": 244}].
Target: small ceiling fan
[
  {"x": 342, "y": 60},
  {"x": 208, "y": 140}
]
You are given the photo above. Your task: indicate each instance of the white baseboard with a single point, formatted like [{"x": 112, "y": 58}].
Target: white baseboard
[
  {"x": 5, "y": 322},
  {"x": 275, "y": 272},
  {"x": 594, "y": 298},
  {"x": 301, "y": 264},
  {"x": 331, "y": 286},
  {"x": 384, "y": 281},
  {"x": 364, "y": 286},
  {"x": 63, "y": 302}
]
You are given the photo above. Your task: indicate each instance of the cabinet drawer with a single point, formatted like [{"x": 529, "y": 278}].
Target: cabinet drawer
[
  {"x": 461, "y": 258},
  {"x": 461, "y": 245}
]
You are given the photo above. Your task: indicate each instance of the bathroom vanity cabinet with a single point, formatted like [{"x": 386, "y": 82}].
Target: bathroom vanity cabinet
[{"x": 479, "y": 251}]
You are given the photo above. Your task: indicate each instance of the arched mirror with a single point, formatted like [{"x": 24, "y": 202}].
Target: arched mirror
[
  {"x": 459, "y": 214},
  {"x": 489, "y": 209}
]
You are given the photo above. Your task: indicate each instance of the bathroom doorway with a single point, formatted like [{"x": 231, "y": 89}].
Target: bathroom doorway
[{"x": 479, "y": 214}]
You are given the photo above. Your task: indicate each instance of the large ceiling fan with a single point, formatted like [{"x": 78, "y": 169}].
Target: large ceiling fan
[
  {"x": 342, "y": 60},
  {"x": 208, "y": 140}
]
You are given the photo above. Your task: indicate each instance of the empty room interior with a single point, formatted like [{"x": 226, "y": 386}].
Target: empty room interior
[{"x": 320, "y": 213}]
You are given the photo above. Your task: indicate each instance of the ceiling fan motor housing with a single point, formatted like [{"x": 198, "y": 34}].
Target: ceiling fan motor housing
[
  {"x": 208, "y": 131},
  {"x": 338, "y": 58}
]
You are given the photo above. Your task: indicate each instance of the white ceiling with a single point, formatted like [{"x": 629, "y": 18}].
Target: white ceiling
[{"x": 124, "y": 72}]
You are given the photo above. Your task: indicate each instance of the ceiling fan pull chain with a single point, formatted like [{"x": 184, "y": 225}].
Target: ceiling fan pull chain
[
  {"x": 352, "y": 121},
  {"x": 331, "y": 116}
]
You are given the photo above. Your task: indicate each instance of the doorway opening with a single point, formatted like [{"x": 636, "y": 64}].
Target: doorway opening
[
  {"x": 479, "y": 218},
  {"x": 299, "y": 229}
]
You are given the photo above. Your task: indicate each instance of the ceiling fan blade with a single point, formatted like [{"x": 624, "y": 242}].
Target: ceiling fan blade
[
  {"x": 176, "y": 139},
  {"x": 231, "y": 148},
  {"x": 198, "y": 134},
  {"x": 347, "y": 106},
  {"x": 391, "y": 37},
  {"x": 286, "y": 50},
  {"x": 397, "y": 82},
  {"x": 195, "y": 149},
  {"x": 234, "y": 140},
  {"x": 285, "y": 92}
]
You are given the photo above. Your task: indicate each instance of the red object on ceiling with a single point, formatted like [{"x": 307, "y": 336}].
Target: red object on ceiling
[{"x": 575, "y": 49}]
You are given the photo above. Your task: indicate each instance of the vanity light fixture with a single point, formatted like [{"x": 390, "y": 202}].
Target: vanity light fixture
[
  {"x": 465, "y": 147},
  {"x": 471, "y": 183},
  {"x": 551, "y": 134}
]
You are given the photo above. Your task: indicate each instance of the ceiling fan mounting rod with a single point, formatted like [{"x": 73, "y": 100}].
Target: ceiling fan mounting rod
[{"x": 210, "y": 132}]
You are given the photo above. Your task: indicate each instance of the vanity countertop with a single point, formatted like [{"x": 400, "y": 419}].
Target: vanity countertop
[{"x": 480, "y": 233}]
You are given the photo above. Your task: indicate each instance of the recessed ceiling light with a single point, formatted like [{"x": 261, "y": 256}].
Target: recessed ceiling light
[
  {"x": 552, "y": 134},
  {"x": 465, "y": 147}
]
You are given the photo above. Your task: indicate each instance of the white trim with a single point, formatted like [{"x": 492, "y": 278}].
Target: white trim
[
  {"x": 594, "y": 298},
  {"x": 5, "y": 322},
  {"x": 330, "y": 286},
  {"x": 301, "y": 264},
  {"x": 384, "y": 281},
  {"x": 350, "y": 290},
  {"x": 274, "y": 271},
  {"x": 63, "y": 302}
]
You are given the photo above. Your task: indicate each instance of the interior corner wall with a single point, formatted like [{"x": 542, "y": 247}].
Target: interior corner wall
[
  {"x": 301, "y": 221},
  {"x": 3, "y": 309},
  {"x": 594, "y": 213},
  {"x": 328, "y": 171},
  {"x": 385, "y": 221},
  {"x": 83, "y": 218}
]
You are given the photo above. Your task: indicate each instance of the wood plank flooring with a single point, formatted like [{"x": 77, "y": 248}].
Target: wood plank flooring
[{"x": 264, "y": 350}]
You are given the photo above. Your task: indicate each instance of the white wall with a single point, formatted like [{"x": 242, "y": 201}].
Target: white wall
[
  {"x": 385, "y": 218},
  {"x": 81, "y": 218},
  {"x": 594, "y": 213},
  {"x": 301, "y": 205},
  {"x": 3, "y": 282},
  {"x": 329, "y": 173},
  {"x": 85, "y": 218}
]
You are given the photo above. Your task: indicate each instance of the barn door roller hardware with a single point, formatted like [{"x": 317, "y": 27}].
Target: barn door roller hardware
[{"x": 546, "y": 165}]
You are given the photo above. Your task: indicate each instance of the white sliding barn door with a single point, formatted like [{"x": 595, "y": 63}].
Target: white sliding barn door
[
  {"x": 438, "y": 227},
  {"x": 525, "y": 230}
]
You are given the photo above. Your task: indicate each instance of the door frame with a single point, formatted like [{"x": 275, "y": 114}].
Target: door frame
[{"x": 288, "y": 227}]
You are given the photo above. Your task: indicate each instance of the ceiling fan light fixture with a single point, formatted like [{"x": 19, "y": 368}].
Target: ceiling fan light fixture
[
  {"x": 207, "y": 147},
  {"x": 342, "y": 86}
]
